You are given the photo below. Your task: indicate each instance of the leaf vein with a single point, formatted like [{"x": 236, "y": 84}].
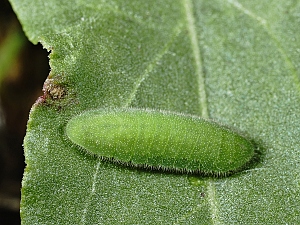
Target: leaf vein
[
  {"x": 152, "y": 64},
  {"x": 197, "y": 56},
  {"x": 88, "y": 201}
]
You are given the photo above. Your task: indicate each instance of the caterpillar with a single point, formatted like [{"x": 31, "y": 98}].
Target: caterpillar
[{"x": 160, "y": 140}]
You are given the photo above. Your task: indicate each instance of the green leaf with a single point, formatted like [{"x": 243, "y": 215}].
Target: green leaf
[{"x": 236, "y": 62}]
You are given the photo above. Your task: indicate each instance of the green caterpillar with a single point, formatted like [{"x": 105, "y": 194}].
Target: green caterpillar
[{"x": 160, "y": 140}]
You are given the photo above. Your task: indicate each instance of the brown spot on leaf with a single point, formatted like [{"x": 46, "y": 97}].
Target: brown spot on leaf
[{"x": 53, "y": 90}]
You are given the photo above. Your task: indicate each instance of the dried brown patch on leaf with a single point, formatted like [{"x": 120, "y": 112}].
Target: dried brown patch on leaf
[{"x": 53, "y": 90}]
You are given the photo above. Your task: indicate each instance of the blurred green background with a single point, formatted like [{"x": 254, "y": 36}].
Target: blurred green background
[{"x": 23, "y": 69}]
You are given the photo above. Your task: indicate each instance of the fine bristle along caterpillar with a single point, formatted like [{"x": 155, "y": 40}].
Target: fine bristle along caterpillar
[{"x": 160, "y": 140}]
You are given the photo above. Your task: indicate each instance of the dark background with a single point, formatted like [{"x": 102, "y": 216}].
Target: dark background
[{"x": 19, "y": 88}]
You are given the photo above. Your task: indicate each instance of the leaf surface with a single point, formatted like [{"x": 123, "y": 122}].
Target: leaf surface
[{"x": 236, "y": 62}]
